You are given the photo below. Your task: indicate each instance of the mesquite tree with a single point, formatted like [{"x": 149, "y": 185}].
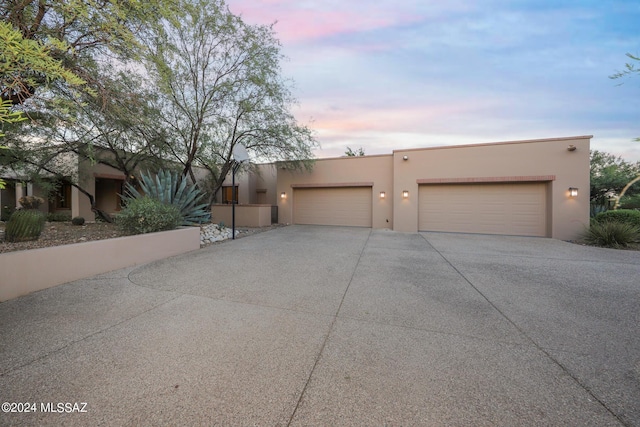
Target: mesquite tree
[{"x": 221, "y": 85}]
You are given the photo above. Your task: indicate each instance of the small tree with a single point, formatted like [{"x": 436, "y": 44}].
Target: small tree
[
  {"x": 630, "y": 69},
  {"x": 63, "y": 36},
  {"x": 220, "y": 85},
  {"x": 609, "y": 174}
]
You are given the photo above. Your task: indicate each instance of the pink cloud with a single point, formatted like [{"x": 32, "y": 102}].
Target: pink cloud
[
  {"x": 410, "y": 118},
  {"x": 297, "y": 23}
]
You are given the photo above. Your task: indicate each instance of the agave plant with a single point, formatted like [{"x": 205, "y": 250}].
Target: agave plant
[{"x": 170, "y": 188}]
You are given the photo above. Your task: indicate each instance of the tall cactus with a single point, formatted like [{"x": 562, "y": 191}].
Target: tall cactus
[{"x": 24, "y": 225}]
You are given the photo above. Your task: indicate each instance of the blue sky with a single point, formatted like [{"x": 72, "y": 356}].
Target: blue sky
[{"x": 389, "y": 75}]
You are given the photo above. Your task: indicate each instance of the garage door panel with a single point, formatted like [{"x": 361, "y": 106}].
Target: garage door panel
[
  {"x": 347, "y": 206},
  {"x": 518, "y": 209}
]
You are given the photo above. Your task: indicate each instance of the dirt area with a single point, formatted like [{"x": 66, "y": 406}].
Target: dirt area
[{"x": 64, "y": 233}]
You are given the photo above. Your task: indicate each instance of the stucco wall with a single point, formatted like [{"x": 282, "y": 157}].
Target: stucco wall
[
  {"x": 537, "y": 159},
  {"x": 346, "y": 171},
  {"x": 543, "y": 160},
  {"x": 246, "y": 215},
  {"x": 24, "y": 272},
  {"x": 81, "y": 206},
  {"x": 260, "y": 177}
]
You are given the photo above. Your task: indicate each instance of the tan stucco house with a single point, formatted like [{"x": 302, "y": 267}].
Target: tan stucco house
[
  {"x": 528, "y": 188},
  {"x": 102, "y": 181}
]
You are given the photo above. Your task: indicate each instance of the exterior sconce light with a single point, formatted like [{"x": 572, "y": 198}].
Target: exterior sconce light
[
  {"x": 571, "y": 148},
  {"x": 382, "y": 195},
  {"x": 283, "y": 195},
  {"x": 405, "y": 158},
  {"x": 405, "y": 194},
  {"x": 573, "y": 192}
]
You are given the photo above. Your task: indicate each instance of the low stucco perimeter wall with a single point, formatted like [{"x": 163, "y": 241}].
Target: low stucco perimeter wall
[
  {"x": 246, "y": 215},
  {"x": 24, "y": 272}
]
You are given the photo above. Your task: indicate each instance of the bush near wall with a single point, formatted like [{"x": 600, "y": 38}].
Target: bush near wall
[
  {"x": 611, "y": 234},
  {"x": 58, "y": 217},
  {"x": 626, "y": 216},
  {"x": 630, "y": 202},
  {"x": 147, "y": 215}
]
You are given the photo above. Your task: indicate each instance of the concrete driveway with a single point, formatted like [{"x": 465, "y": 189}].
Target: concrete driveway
[{"x": 308, "y": 325}]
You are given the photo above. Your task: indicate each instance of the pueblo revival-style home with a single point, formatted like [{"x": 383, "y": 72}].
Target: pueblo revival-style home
[{"x": 527, "y": 188}]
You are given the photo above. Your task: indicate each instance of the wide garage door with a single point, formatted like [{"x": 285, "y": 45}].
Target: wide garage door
[
  {"x": 513, "y": 209},
  {"x": 349, "y": 206}
]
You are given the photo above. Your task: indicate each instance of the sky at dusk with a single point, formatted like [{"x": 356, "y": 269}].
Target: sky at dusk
[{"x": 388, "y": 75}]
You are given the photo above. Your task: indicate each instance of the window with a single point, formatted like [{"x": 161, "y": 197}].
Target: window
[
  {"x": 63, "y": 196},
  {"x": 227, "y": 195}
]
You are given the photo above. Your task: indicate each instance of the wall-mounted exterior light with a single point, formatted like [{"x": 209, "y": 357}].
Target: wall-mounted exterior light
[
  {"x": 573, "y": 192},
  {"x": 405, "y": 194},
  {"x": 283, "y": 195},
  {"x": 405, "y": 158},
  {"x": 382, "y": 195}
]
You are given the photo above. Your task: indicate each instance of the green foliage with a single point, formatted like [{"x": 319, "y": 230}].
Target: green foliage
[
  {"x": 630, "y": 202},
  {"x": 26, "y": 64},
  {"x": 354, "y": 153},
  {"x": 170, "y": 188},
  {"x": 58, "y": 217},
  {"x": 220, "y": 84},
  {"x": 148, "y": 215},
  {"x": 626, "y": 216},
  {"x": 77, "y": 220},
  {"x": 7, "y": 115},
  {"x": 50, "y": 54},
  {"x": 24, "y": 225},
  {"x": 611, "y": 234},
  {"x": 57, "y": 41},
  {"x": 629, "y": 68},
  {"x": 609, "y": 175}
]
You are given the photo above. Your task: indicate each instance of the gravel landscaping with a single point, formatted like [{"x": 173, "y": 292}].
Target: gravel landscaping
[{"x": 64, "y": 233}]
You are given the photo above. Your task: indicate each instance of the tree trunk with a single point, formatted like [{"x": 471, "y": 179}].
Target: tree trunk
[{"x": 102, "y": 214}]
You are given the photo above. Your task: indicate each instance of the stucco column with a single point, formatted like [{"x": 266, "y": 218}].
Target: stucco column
[
  {"x": 19, "y": 192},
  {"x": 75, "y": 204}
]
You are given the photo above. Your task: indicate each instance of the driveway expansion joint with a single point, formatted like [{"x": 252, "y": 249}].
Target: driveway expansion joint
[
  {"x": 523, "y": 333},
  {"x": 326, "y": 337},
  {"x": 86, "y": 337}
]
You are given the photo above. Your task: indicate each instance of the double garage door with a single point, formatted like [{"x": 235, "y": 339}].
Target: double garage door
[
  {"x": 512, "y": 209},
  {"x": 348, "y": 206},
  {"x": 488, "y": 208}
]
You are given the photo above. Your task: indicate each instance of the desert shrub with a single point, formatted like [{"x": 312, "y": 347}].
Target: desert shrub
[
  {"x": 595, "y": 209},
  {"x": 31, "y": 202},
  {"x": 77, "y": 220},
  {"x": 58, "y": 217},
  {"x": 630, "y": 202},
  {"x": 627, "y": 216},
  {"x": 171, "y": 188},
  {"x": 24, "y": 225},
  {"x": 148, "y": 215},
  {"x": 611, "y": 234}
]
